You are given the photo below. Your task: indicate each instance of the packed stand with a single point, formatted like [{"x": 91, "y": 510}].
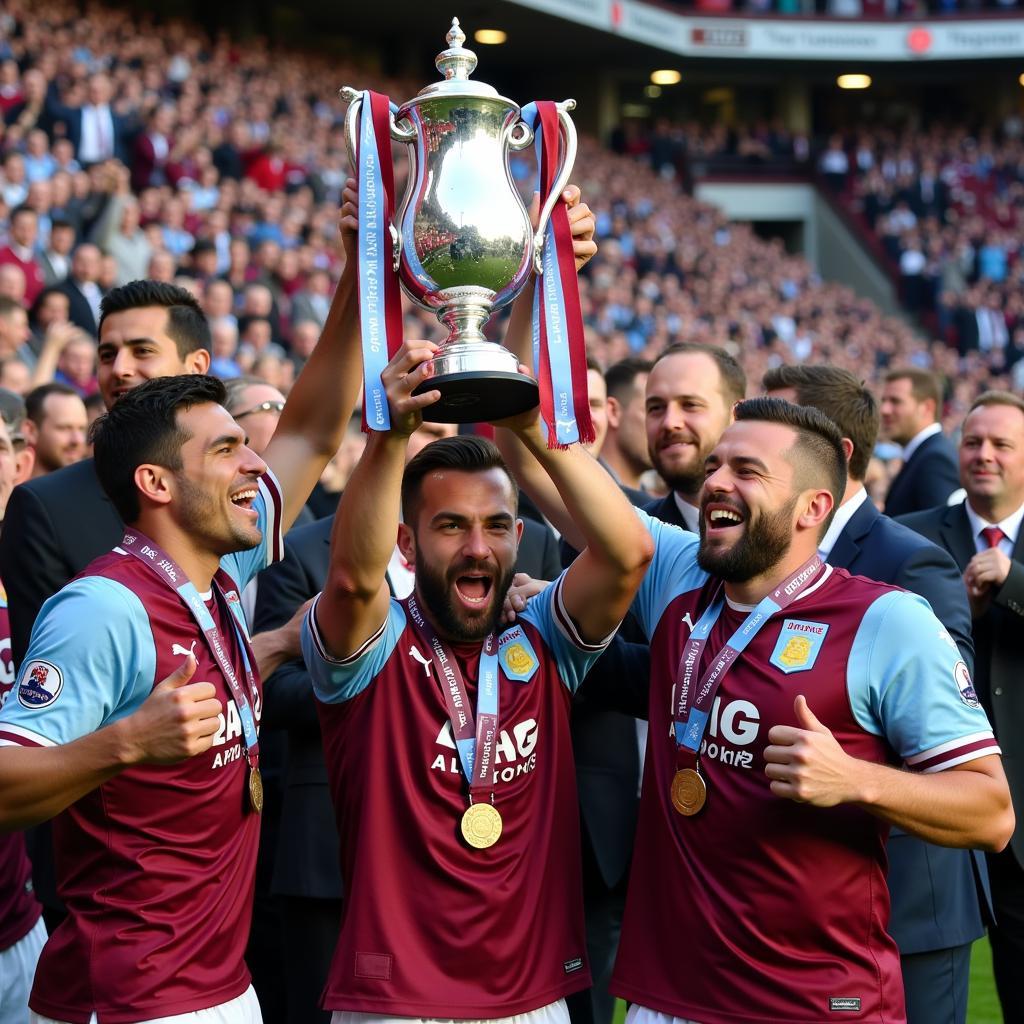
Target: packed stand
[
  {"x": 131, "y": 153},
  {"x": 944, "y": 208}
]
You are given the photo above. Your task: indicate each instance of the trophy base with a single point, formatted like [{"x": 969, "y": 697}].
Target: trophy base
[{"x": 479, "y": 396}]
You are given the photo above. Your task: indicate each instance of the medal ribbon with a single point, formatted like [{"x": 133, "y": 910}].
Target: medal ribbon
[
  {"x": 151, "y": 554},
  {"x": 380, "y": 302},
  {"x": 559, "y": 346},
  {"x": 691, "y": 719},
  {"x": 472, "y": 738}
]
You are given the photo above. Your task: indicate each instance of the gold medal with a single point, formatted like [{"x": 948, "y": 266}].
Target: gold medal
[
  {"x": 481, "y": 825},
  {"x": 689, "y": 791},
  {"x": 256, "y": 790}
]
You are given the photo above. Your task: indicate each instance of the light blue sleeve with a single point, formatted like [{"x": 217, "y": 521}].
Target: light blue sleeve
[
  {"x": 339, "y": 679},
  {"x": 573, "y": 655},
  {"x": 907, "y": 682},
  {"x": 242, "y": 566},
  {"x": 91, "y": 660},
  {"x": 672, "y": 572}
]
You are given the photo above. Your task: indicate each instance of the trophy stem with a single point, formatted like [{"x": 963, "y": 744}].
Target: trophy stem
[
  {"x": 479, "y": 381},
  {"x": 465, "y": 321}
]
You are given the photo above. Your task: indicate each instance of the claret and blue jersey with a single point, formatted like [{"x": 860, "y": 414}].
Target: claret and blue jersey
[
  {"x": 156, "y": 865},
  {"x": 432, "y": 927},
  {"x": 760, "y": 909}
]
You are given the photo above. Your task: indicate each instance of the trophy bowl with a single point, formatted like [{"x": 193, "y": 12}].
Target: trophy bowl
[{"x": 463, "y": 246}]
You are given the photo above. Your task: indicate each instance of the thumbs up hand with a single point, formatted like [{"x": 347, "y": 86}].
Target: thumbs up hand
[
  {"x": 806, "y": 763},
  {"x": 177, "y": 720}
]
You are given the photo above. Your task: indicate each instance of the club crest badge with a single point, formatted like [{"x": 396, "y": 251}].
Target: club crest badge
[
  {"x": 40, "y": 685},
  {"x": 517, "y": 656},
  {"x": 798, "y": 645},
  {"x": 962, "y": 675}
]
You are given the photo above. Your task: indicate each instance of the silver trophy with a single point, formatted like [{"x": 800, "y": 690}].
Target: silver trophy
[{"x": 464, "y": 245}]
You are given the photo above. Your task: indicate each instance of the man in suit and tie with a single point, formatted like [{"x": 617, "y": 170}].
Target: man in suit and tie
[
  {"x": 984, "y": 535},
  {"x": 911, "y": 408},
  {"x": 937, "y": 893},
  {"x": 96, "y": 132},
  {"x": 307, "y": 879}
]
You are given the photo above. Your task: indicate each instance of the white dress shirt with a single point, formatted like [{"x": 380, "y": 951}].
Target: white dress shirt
[
  {"x": 690, "y": 513},
  {"x": 918, "y": 439},
  {"x": 97, "y": 141},
  {"x": 1010, "y": 527},
  {"x": 843, "y": 515}
]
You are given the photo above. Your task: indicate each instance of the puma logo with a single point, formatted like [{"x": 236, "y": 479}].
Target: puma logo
[
  {"x": 425, "y": 662},
  {"x": 177, "y": 649}
]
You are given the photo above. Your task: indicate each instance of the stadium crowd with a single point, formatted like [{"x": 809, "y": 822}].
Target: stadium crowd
[{"x": 171, "y": 210}]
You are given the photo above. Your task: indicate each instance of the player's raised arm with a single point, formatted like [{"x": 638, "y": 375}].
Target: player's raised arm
[
  {"x": 617, "y": 548},
  {"x": 354, "y": 601},
  {"x": 320, "y": 403},
  {"x": 519, "y": 340}
]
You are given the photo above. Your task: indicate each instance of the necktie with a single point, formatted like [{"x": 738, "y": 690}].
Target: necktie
[{"x": 993, "y": 535}]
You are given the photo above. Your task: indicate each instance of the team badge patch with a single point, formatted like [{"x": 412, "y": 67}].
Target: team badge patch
[
  {"x": 968, "y": 695},
  {"x": 40, "y": 685},
  {"x": 798, "y": 645},
  {"x": 517, "y": 656}
]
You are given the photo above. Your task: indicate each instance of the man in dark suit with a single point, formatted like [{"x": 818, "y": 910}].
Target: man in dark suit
[
  {"x": 82, "y": 289},
  {"x": 935, "y": 891},
  {"x": 983, "y": 534},
  {"x": 911, "y": 407},
  {"x": 96, "y": 132},
  {"x": 691, "y": 390},
  {"x": 307, "y": 877}
]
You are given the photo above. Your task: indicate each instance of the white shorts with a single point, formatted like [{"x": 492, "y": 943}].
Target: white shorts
[
  {"x": 17, "y": 969},
  {"x": 641, "y": 1015},
  {"x": 553, "y": 1013},
  {"x": 245, "y": 1009}
]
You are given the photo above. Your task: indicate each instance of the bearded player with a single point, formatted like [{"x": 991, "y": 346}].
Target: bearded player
[
  {"x": 447, "y": 736},
  {"x": 765, "y": 809},
  {"x": 795, "y": 712}
]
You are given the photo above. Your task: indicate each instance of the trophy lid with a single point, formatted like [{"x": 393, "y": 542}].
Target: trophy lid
[{"x": 457, "y": 64}]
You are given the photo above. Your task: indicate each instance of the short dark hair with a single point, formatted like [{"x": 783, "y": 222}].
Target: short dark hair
[
  {"x": 24, "y": 208},
  {"x": 819, "y": 444},
  {"x": 187, "y": 325},
  {"x": 143, "y": 427},
  {"x": 841, "y": 397},
  {"x": 923, "y": 385},
  {"x": 465, "y": 453},
  {"x": 35, "y": 400},
  {"x": 620, "y": 377},
  {"x": 734, "y": 380}
]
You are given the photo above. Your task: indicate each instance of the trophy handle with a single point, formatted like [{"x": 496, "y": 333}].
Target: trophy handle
[
  {"x": 354, "y": 99},
  {"x": 569, "y": 134}
]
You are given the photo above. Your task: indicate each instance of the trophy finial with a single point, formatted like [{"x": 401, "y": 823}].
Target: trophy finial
[
  {"x": 456, "y": 62},
  {"x": 455, "y": 37}
]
